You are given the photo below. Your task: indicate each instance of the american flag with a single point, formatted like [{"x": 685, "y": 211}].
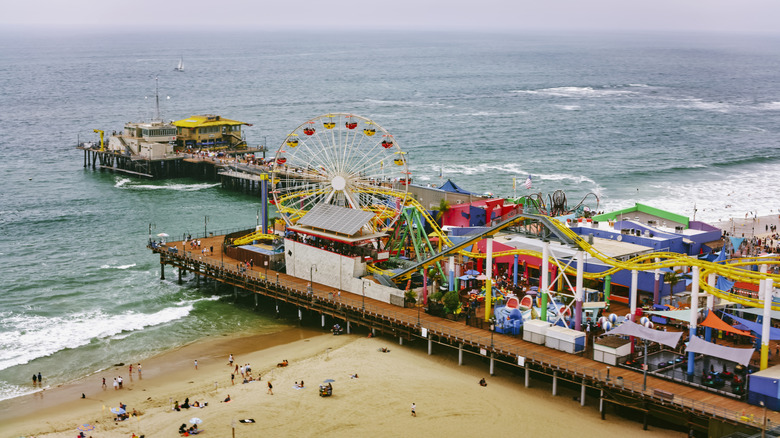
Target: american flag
[{"x": 528, "y": 182}]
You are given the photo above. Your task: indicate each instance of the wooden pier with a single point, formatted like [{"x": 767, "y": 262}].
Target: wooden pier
[{"x": 687, "y": 407}]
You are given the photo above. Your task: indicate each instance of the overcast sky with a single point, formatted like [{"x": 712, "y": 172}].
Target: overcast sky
[{"x": 472, "y": 15}]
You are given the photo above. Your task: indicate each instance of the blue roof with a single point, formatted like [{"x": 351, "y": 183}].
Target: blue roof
[{"x": 450, "y": 186}]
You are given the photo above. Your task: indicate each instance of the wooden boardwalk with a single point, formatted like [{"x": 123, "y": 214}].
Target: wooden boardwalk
[{"x": 406, "y": 323}]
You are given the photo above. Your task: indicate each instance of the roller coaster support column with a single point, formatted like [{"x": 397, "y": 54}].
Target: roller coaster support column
[
  {"x": 634, "y": 293},
  {"x": 657, "y": 285},
  {"x": 544, "y": 288},
  {"x": 694, "y": 315},
  {"x": 425, "y": 286},
  {"x": 514, "y": 271},
  {"x": 264, "y": 200},
  {"x": 766, "y": 286},
  {"x": 489, "y": 280},
  {"x": 632, "y": 297},
  {"x": 451, "y": 282},
  {"x": 607, "y": 290},
  {"x": 710, "y": 305},
  {"x": 578, "y": 291}
]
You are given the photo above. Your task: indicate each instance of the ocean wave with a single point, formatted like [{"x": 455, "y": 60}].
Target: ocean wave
[
  {"x": 25, "y": 338},
  {"x": 512, "y": 169},
  {"x": 169, "y": 186},
  {"x": 577, "y": 92},
  {"x": 410, "y": 103},
  {"x": 118, "y": 266}
]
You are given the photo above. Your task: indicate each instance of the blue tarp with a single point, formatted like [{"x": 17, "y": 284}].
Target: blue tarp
[
  {"x": 723, "y": 283},
  {"x": 774, "y": 333},
  {"x": 450, "y": 186}
]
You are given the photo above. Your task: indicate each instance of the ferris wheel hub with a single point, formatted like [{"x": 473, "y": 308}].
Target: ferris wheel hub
[{"x": 339, "y": 183}]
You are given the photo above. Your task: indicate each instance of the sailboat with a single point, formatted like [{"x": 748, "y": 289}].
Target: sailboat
[{"x": 180, "y": 66}]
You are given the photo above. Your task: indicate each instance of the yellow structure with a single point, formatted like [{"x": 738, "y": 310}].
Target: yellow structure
[{"x": 209, "y": 132}]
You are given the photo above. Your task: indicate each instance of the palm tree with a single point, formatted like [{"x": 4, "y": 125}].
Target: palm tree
[
  {"x": 444, "y": 207},
  {"x": 672, "y": 278}
]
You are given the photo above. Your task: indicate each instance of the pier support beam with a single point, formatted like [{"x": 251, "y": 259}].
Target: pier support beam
[
  {"x": 400, "y": 340},
  {"x": 460, "y": 353},
  {"x": 300, "y": 315},
  {"x": 349, "y": 328},
  {"x": 601, "y": 405},
  {"x": 162, "y": 271},
  {"x": 255, "y": 301},
  {"x": 322, "y": 317},
  {"x": 555, "y": 383},
  {"x": 527, "y": 377},
  {"x": 180, "y": 281},
  {"x": 430, "y": 346},
  {"x": 492, "y": 362},
  {"x": 582, "y": 393}
]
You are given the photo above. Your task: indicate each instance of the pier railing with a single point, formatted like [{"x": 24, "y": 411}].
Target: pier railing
[{"x": 492, "y": 344}]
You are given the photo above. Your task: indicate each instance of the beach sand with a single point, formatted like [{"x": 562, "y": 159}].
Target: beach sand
[{"x": 448, "y": 398}]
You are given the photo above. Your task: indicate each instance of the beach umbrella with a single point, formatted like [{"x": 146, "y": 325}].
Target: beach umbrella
[
  {"x": 195, "y": 420},
  {"x": 85, "y": 427},
  {"x": 328, "y": 381},
  {"x": 162, "y": 235},
  {"x": 472, "y": 272},
  {"x": 481, "y": 277},
  {"x": 118, "y": 411}
]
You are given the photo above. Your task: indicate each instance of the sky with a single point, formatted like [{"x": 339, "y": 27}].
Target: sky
[{"x": 722, "y": 16}]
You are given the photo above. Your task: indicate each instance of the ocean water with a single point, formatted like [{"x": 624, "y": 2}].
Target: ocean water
[{"x": 675, "y": 121}]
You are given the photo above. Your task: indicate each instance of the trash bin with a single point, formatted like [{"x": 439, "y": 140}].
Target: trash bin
[{"x": 619, "y": 381}]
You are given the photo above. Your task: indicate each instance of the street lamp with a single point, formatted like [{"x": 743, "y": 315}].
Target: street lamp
[
  {"x": 364, "y": 296},
  {"x": 266, "y": 270},
  {"x": 311, "y": 277},
  {"x": 492, "y": 330},
  {"x": 644, "y": 379}
]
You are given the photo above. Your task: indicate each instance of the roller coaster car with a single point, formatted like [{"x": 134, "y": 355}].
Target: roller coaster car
[{"x": 326, "y": 390}]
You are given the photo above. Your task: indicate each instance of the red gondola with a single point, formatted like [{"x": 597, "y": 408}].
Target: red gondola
[
  {"x": 308, "y": 131},
  {"x": 281, "y": 160},
  {"x": 351, "y": 125},
  {"x": 387, "y": 144}
]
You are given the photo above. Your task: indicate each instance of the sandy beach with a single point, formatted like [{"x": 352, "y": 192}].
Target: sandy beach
[{"x": 448, "y": 398}]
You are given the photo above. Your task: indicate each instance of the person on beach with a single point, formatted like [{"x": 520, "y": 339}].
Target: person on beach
[
  {"x": 35, "y": 380},
  {"x": 227, "y": 399},
  {"x": 104, "y": 383},
  {"x": 414, "y": 410},
  {"x": 120, "y": 381},
  {"x": 196, "y": 364},
  {"x": 230, "y": 360},
  {"x": 482, "y": 382},
  {"x": 232, "y": 379},
  {"x": 116, "y": 384},
  {"x": 139, "y": 369},
  {"x": 270, "y": 388},
  {"x": 40, "y": 380},
  {"x": 130, "y": 369}
]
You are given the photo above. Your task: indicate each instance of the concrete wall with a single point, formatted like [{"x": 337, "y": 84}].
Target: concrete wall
[{"x": 334, "y": 270}]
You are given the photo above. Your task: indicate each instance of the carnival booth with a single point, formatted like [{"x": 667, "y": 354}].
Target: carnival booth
[
  {"x": 764, "y": 387},
  {"x": 611, "y": 350},
  {"x": 535, "y": 331},
  {"x": 565, "y": 339}
]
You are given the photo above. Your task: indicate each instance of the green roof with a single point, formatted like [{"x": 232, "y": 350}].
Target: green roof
[{"x": 672, "y": 217}]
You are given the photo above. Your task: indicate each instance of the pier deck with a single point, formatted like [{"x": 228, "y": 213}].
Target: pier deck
[{"x": 624, "y": 386}]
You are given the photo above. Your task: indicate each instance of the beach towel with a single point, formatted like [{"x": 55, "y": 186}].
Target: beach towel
[{"x": 248, "y": 420}]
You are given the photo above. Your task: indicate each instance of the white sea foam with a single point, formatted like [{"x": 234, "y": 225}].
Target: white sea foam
[
  {"x": 774, "y": 106},
  {"x": 170, "y": 186},
  {"x": 577, "y": 92},
  {"x": 25, "y": 338},
  {"x": 118, "y": 266},
  {"x": 121, "y": 182},
  {"x": 569, "y": 107}
]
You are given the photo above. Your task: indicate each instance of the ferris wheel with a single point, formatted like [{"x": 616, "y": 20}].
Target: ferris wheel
[{"x": 343, "y": 160}]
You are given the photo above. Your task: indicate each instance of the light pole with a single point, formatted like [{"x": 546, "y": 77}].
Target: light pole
[
  {"x": 644, "y": 371},
  {"x": 311, "y": 277},
  {"x": 492, "y": 330},
  {"x": 266, "y": 270},
  {"x": 364, "y": 296}
]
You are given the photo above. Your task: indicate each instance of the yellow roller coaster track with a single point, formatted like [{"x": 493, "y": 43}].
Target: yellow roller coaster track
[
  {"x": 731, "y": 269},
  {"x": 251, "y": 237}
]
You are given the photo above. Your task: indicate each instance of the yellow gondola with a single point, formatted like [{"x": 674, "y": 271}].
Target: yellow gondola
[
  {"x": 399, "y": 161},
  {"x": 329, "y": 125},
  {"x": 369, "y": 131},
  {"x": 292, "y": 142}
]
